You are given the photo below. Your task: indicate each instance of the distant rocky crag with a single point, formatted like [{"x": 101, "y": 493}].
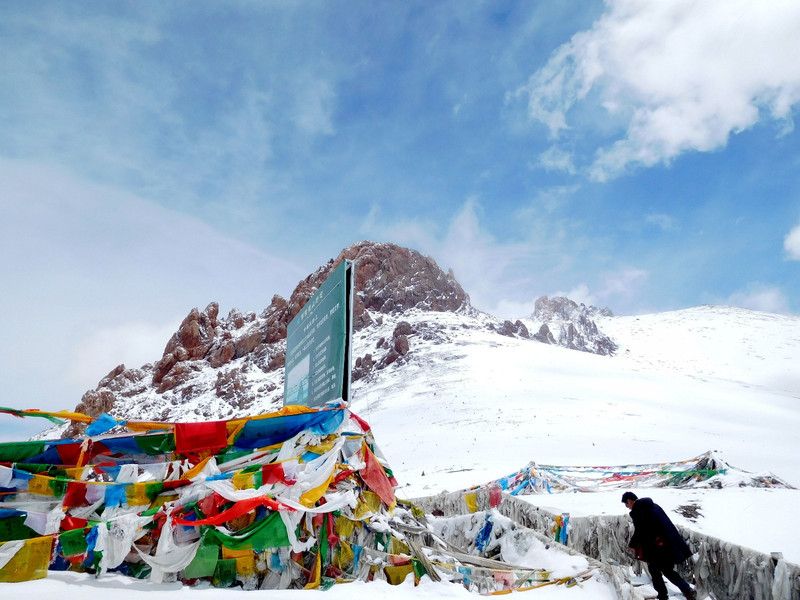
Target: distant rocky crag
[
  {"x": 569, "y": 324},
  {"x": 223, "y": 367}
]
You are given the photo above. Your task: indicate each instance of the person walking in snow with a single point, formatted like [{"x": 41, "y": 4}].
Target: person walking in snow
[{"x": 657, "y": 541}]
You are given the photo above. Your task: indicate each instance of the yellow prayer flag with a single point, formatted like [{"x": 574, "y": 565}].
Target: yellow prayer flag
[
  {"x": 231, "y": 553},
  {"x": 195, "y": 470},
  {"x": 344, "y": 527},
  {"x": 76, "y": 473},
  {"x": 344, "y": 557},
  {"x": 246, "y": 565},
  {"x": 40, "y": 485},
  {"x": 316, "y": 574},
  {"x": 310, "y": 498},
  {"x": 373, "y": 500},
  {"x": 30, "y": 562},
  {"x": 472, "y": 501},
  {"x": 243, "y": 481},
  {"x": 136, "y": 494},
  {"x": 397, "y": 575},
  {"x": 399, "y": 547},
  {"x": 162, "y": 499},
  {"x": 323, "y": 447},
  {"x": 361, "y": 510}
]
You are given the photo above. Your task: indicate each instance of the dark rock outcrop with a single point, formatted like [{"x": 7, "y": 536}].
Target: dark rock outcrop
[
  {"x": 388, "y": 279},
  {"x": 226, "y": 365},
  {"x": 574, "y": 323}
]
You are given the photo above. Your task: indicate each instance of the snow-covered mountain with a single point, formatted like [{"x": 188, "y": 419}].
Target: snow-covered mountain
[
  {"x": 426, "y": 363},
  {"x": 215, "y": 367}
]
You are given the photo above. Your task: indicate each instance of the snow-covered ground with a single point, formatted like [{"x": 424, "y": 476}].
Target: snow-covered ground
[
  {"x": 469, "y": 406},
  {"x": 118, "y": 587}
]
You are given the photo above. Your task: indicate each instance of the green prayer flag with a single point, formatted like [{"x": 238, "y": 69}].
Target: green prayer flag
[
  {"x": 204, "y": 563},
  {"x": 262, "y": 535},
  {"x": 152, "y": 490},
  {"x": 223, "y": 458},
  {"x": 59, "y": 487},
  {"x": 155, "y": 445},
  {"x": 326, "y": 583},
  {"x": 140, "y": 570},
  {"x": 13, "y": 452},
  {"x": 150, "y": 512},
  {"x": 323, "y": 540},
  {"x": 14, "y": 528},
  {"x": 73, "y": 542},
  {"x": 419, "y": 569},
  {"x": 225, "y": 573}
]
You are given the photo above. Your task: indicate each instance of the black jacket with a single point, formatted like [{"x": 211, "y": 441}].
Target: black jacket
[{"x": 655, "y": 534}]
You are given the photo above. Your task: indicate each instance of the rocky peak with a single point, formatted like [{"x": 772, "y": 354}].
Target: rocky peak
[
  {"x": 569, "y": 324},
  {"x": 562, "y": 308},
  {"x": 388, "y": 279}
]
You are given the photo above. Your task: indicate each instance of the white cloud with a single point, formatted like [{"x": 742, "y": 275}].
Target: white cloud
[
  {"x": 506, "y": 277},
  {"x": 314, "y": 108},
  {"x": 676, "y": 76},
  {"x": 579, "y": 294},
  {"x": 760, "y": 296},
  {"x": 419, "y": 234},
  {"x": 791, "y": 243},
  {"x": 132, "y": 344},
  {"x": 556, "y": 159},
  {"x": 513, "y": 310},
  {"x": 614, "y": 288},
  {"x": 662, "y": 221},
  {"x": 82, "y": 263},
  {"x": 623, "y": 283},
  {"x": 487, "y": 268}
]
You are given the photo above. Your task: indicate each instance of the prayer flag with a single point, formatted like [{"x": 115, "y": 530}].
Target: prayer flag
[
  {"x": 195, "y": 437},
  {"x": 30, "y": 561},
  {"x": 375, "y": 477}
]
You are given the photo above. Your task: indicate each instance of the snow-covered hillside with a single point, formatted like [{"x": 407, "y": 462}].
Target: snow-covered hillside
[
  {"x": 752, "y": 348},
  {"x": 720, "y": 380}
]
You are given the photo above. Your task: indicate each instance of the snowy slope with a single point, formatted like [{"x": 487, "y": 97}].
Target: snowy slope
[
  {"x": 753, "y": 348},
  {"x": 514, "y": 400}
]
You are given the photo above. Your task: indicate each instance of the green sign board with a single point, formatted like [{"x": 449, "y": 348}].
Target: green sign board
[{"x": 318, "y": 344}]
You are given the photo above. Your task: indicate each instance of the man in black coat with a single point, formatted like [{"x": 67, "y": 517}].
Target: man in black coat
[{"x": 657, "y": 541}]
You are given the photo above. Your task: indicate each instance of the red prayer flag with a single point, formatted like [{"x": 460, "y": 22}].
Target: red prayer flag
[
  {"x": 364, "y": 425},
  {"x": 210, "y": 504},
  {"x": 69, "y": 453},
  {"x": 242, "y": 507},
  {"x": 375, "y": 477},
  {"x": 75, "y": 494},
  {"x": 194, "y": 437},
  {"x": 68, "y": 523},
  {"x": 273, "y": 473}
]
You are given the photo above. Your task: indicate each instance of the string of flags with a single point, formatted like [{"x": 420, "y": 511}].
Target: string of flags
[
  {"x": 219, "y": 500},
  {"x": 707, "y": 470},
  {"x": 298, "y": 498}
]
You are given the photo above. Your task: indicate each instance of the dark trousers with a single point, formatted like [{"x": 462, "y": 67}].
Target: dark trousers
[{"x": 657, "y": 569}]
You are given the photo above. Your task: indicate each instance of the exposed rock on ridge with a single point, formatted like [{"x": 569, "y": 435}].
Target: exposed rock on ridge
[
  {"x": 248, "y": 350},
  {"x": 569, "y": 324},
  {"x": 217, "y": 367}
]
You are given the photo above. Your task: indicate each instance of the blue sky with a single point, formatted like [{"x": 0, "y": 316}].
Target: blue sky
[{"x": 155, "y": 157}]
